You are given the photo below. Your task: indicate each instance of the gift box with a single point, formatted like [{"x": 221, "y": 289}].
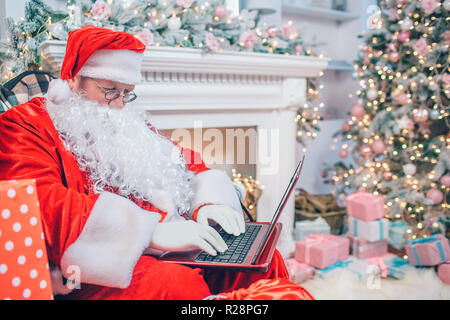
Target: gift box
[
  {"x": 429, "y": 251},
  {"x": 363, "y": 249},
  {"x": 375, "y": 266},
  {"x": 397, "y": 267},
  {"x": 365, "y": 206},
  {"x": 299, "y": 272},
  {"x": 335, "y": 266},
  {"x": 306, "y": 227},
  {"x": 371, "y": 231},
  {"x": 444, "y": 273},
  {"x": 397, "y": 231},
  {"x": 321, "y": 250},
  {"x": 24, "y": 269}
]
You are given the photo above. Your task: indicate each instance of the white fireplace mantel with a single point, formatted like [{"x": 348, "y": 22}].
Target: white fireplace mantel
[{"x": 185, "y": 87}]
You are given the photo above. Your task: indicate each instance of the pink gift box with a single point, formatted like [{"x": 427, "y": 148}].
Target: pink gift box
[
  {"x": 444, "y": 273},
  {"x": 298, "y": 272},
  {"x": 430, "y": 251},
  {"x": 363, "y": 249},
  {"x": 365, "y": 206},
  {"x": 322, "y": 250}
]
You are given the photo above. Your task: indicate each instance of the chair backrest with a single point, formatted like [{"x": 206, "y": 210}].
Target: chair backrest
[{"x": 24, "y": 87}]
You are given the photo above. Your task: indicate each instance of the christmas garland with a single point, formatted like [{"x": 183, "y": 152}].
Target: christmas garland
[{"x": 200, "y": 24}]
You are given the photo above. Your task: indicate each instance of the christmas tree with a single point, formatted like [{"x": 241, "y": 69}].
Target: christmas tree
[{"x": 398, "y": 134}]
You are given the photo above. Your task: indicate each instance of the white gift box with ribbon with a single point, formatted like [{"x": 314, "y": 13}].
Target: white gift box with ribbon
[{"x": 371, "y": 231}]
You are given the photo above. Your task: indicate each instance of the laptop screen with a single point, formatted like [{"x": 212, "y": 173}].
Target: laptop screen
[{"x": 280, "y": 207}]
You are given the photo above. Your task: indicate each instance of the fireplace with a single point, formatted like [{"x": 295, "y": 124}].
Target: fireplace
[{"x": 247, "y": 94}]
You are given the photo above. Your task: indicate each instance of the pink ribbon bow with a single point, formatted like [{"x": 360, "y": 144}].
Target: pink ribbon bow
[
  {"x": 381, "y": 265},
  {"x": 312, "y": 240}
]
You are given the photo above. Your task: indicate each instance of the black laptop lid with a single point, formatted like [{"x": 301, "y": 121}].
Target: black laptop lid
[{"x": 280, "y": 207}]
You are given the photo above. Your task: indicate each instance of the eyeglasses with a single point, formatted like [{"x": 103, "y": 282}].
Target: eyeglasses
[{"x": 113, "y": 94}]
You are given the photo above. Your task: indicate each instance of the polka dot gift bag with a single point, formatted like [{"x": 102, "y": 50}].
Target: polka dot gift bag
[{"x": 24, "y": 269}]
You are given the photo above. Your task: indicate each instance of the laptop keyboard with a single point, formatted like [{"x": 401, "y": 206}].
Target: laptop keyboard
[{"x": 238, "y": 247}]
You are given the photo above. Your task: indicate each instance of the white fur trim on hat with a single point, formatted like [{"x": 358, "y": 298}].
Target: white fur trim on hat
[
  {"x": 58, "y": 91},
  {"x": 117, "y": 65}
]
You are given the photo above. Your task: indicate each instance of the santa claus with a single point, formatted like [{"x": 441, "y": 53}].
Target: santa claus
[{"x": 111, "y": 187}]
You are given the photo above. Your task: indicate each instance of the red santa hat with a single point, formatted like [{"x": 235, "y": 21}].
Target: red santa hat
[
  {"x": 104, "y": 54},
  {"x": 99, "y": 53}
]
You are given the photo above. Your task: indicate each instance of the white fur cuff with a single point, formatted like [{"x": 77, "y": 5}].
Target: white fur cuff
[
  {"x": 111, "y": 242},
  {"x": 214, "y": 186}
]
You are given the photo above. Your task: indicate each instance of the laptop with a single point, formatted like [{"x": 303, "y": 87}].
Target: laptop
[{"x": 251, "y": 250}]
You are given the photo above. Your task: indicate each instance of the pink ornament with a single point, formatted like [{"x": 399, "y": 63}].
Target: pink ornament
[
  {"x": 387, "y": 176},
  {"x": 358, "y": 111},
  {"x": 378, "y": 146},
  {"x": 420, "y": 115},
  {"x": 394, "y": 56},
  {"x": 345, "y": 127},
  {"x": 403, "y": 36},
  {"x": 401, "y": 98},
  {"x": 343, "y": 153},
  {"x": 298, "y": 49},
  {"x": 221, "y": 11},
  {"x": 445, "y": 180},
  {"x": 365, "y": 151},
  {"x": 435, "y": 195},
  {"x": 272, "y": 31}
]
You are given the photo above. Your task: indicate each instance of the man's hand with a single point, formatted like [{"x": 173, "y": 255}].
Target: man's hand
[
  {"x": 230, "y": 220},
  {"x": 182, "y": 235}
]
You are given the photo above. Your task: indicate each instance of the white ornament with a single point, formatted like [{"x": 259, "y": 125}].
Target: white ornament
[
  {"x": 406, "y": 24},
  {"x": 174, "y": 24},
  {"x": 447, "y": 5},
  {"x": 372, "y": 94},
  {"x": 409, "y": 169}
]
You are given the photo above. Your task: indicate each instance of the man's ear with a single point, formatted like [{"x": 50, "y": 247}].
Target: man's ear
[{"x": 74, "y": 83}]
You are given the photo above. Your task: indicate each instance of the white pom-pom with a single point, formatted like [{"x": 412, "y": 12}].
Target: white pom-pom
[{"x": 58, "y": 91}]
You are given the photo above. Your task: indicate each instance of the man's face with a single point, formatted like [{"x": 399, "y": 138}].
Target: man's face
[{"x": 94, "y": 89}]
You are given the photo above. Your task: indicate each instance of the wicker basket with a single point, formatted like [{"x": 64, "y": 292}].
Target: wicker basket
[{"x": 310, "y": 207}]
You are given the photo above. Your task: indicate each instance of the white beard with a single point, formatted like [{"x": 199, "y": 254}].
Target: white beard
[{"x": 117, "y": 149}]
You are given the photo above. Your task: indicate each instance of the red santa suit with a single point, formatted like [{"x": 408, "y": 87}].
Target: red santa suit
[{"x": 105, "y": 234}]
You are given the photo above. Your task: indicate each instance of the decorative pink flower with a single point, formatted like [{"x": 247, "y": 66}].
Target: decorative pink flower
[
  {"x": 429, "y": 6},
  {"x": 247, "y": 39},
  {"x": 185, "y": 3},
  {"x": 212, "y": 42},
  {"x": 221, "y": 11},
  {"x": 101, "y": 9},
  {"x": 289, "y": 31},
  {"x": 421, "y": 46},
  {"x": 146, "y": 36},
  {"x": 446, "y": 36}
]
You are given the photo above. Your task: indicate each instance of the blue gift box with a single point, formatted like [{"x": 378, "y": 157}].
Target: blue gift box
[
  {"x": 305, "y": 228},
  {"x": 340, "y": 264},
  {"x": 397, "y": 231},
  {"x": 397, "y": 267}
]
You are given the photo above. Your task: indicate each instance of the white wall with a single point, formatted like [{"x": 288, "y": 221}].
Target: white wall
[{"x": 340, "y": 43}]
